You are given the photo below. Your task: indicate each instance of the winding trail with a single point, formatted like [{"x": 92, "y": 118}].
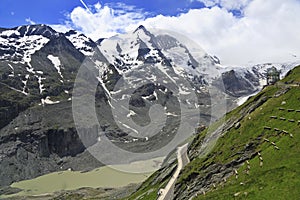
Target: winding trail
[{"x": 168, "y": 192}]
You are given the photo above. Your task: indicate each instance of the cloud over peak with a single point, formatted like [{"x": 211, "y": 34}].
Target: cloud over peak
[
  {"x": 104, "y": 21},
  {"x": 267, "y": 30}
]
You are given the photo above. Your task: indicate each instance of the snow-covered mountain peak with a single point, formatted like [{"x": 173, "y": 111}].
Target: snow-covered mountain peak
[
  {"x": 84, "y": 44},
  {"x": 284, "y": 68},
  {"x": 39, "y": 29},
  {"x": 125, "y": 50},
  {"x": 141, "y": 29},
  {"x": 143, "y": 47},
  {"x": 18, "y": 44}
]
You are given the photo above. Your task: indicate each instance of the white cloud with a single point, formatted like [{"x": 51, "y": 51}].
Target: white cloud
[
  {"x": 61, "y": 28},
  {"x": 227, "y": 4},
  {"x": 29, "y": 21},
  {"x": 104, "y": 21},
  {"x": 267, "y": 32},
  {"x": 98, "y": 6}
]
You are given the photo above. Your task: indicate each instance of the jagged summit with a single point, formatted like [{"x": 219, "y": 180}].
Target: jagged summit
[
  {"x": 141, "y": 27},
  {"x": 100, "y": 40},
  {"x": 71, "y": 32},
  {"x": 28, "y": 30},
  {"x": 84, "y": 44},
  {"x": 19, "y": 43},
  {"x": 141, "y": 30},
  {"x": 75, "y": 32}
]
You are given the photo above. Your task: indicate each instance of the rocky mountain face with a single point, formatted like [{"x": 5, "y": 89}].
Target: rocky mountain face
[{"x": 38, "y": 69}]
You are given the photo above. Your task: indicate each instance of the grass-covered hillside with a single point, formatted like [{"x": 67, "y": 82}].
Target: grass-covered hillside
[{"x": 258, "y": 157}]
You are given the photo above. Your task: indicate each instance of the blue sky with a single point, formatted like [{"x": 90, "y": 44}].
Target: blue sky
[
  {"x": 55, "y": 11},
  {"x": 15, "y": 13}
]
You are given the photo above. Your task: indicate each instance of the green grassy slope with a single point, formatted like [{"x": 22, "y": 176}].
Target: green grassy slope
[{"x": 277, "y": 176}]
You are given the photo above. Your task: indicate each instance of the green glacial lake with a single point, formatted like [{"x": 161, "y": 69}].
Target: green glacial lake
[{"x": 103, "y": 177}]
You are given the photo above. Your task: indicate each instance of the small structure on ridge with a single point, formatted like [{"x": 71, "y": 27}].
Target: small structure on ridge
[{"x": 273, "y": 75}]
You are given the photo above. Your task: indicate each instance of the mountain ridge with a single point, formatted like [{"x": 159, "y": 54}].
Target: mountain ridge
[{"x": 38, "y": 69}]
